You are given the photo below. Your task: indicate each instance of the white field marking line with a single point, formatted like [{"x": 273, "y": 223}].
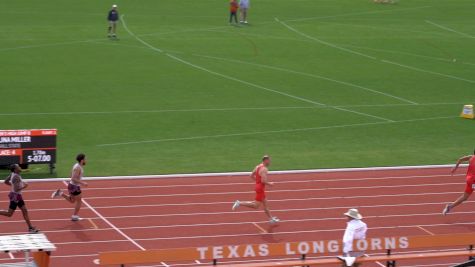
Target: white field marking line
[
  {"x": 94, "y": 225},
  {"x": 109, "y": 223},
  {"x": 428, "y": 71},
  {"x": 357, "y": 14},
  {"x": 271, "y": 192},
  {"x": 449, "y": 29},
  {"x": 425, "y": 230},
  {"x": 219, "y": 224},
  {"x": 262, "y": 230},
  {"x": 138, "y": 38},
  {"x": 46, "y": 45},
  {"x": 198, "y": 262},
  {"x": 167, "y": 110},
  {"x": 221, "y": 174},
  {"x": 377, "y": 262},
  {"x": 164, "y": 264},
  {"x": 371, "y": 57},
  {"x": 11, "y": 255},
  {"x": 339, "y": 230},
  {"x": 311, "y": 75},
  {"x": 242, "y": 81},
  {"x": 275, "y": 181},
  {"x": 271, "y": 132},
  {"x": 227, "y": 109},
  {"x": 112, "y": 225},
  {"x": 324, "y": 42}
]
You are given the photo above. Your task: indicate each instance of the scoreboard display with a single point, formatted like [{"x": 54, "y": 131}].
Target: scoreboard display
[{"x": 28, "y": 147}]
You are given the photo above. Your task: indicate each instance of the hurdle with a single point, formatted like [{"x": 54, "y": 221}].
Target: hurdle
[
  {"x": 218, "y": 255},
  {"x": 36, "y": 244}
]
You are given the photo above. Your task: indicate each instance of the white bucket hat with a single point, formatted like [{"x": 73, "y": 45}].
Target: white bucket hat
[
  {"x": 114, "y": 6},
  {"x": 354, "y": 213}
]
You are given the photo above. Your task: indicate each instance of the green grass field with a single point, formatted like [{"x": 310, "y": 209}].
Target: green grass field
[{"x": 314, "y": 83}]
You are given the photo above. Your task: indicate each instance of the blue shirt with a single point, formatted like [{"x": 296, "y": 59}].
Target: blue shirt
[{"x": 113, "y": 15}]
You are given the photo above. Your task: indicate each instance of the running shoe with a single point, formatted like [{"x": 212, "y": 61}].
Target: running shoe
[
  {"x": 446, "y": 210},
  {"x": 236, "y": 204},
  {"x": 75, "y": 218},
  {"x": 56, "y": 193},
  {"x": 33, "y": 230},
  {"x": 274, "y": 220}
]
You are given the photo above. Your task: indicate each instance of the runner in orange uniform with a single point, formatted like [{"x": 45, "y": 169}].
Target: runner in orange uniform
[
  {"x": 259, "y": 174},
  {"x": 470, "y": 181}
]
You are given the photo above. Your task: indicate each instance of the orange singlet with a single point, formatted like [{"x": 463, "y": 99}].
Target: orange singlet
[{"x": 260, "y": 186}]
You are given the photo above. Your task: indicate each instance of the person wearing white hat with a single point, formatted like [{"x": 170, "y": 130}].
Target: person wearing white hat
[
  {"x": 355, "y": 230},
  {"x": 113, "y": 18}
]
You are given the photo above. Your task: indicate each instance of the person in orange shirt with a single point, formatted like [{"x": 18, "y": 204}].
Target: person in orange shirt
[{"x": 233, "y": 8}]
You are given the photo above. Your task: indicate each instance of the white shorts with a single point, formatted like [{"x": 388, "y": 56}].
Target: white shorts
[{"x": 113, "y": 22}]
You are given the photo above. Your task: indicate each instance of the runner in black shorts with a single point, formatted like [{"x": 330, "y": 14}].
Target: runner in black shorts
[
  {"x": 16, "y": 199},
  {"x": 74, "y": 187}
]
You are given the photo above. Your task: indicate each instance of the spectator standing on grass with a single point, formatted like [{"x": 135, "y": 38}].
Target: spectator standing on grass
[
  {"x": 244, "y": 7},
  {"x": 113, "y": 18},
  {"x": 233, "y": 8},
  {"x": 355, "y": 230}
]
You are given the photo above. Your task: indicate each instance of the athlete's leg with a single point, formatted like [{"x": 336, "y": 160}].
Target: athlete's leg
[
  {"x": 24, "y": 211},
  {"x": 69, "y": 198},
  {"x": 251, "y": 204},
  {"x": 78, "y": 200},
  {"x": 266, "y": 209},
  {"x": 460, "y": 200},
  {"x": 7, "y": 213}
]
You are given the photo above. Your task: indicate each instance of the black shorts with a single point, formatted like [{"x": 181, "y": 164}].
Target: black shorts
[
  {"x": 16, "y": 200},
  {"x": 74, "y": 190}
]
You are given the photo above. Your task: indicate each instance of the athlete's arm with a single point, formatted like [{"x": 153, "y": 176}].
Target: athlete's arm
[
  {"x": 264, "y": 177},
  {"x": 460, "y": 161},
  {"x": 253, "y": 174},
  {"x": 8, "y": 180},
  {"x": 17, "y": 184}
]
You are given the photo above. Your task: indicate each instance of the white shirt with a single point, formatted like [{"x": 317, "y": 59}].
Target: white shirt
[
  {"x": 81, "y": 172},
  {"x": 244, "y": 3},
  {"x": 355, "y": 230}
]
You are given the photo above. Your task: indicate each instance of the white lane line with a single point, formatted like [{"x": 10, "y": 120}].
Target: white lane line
[
  {"x": 112, "y": 226},
  {"x": 311, "y": 75},
  {"x": 449, "y": 29},
  {"x": 378, "y": 263},
  {"x": 272, "y": 191},
  {"x": 109, "y": 223},
  {"x": 164, "y": 264},
  {"x": 324, "y": 42},
  {"x": 425, "y": 230},
  {"x": 11, "y": 255},
  {"x": 337, "y": 230},
  {"x": 220, "y": 224},
  {"x": 428, "y": 71},
  {"x": 275, "y": 180},
  {"x": 271, "y": 132}
]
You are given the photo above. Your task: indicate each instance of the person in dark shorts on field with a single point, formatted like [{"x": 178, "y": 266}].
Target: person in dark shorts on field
[
  {"x": 233, "y": 9},
  {"x": 74, "y": 187},
  {"x": 16, "y": 199},
  {"x": 113, "y": 18}
]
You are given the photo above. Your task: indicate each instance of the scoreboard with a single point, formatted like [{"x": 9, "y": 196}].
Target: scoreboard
[{"x": 28, "y": 147}]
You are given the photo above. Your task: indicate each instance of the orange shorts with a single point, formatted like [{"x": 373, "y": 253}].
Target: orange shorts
[{"x": 260, "y": 195}]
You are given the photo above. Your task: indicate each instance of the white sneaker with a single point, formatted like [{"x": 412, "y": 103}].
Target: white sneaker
[
  {"x": 245, "y": 22},
  {"x": 274, "y": 220},
  {"x": 349, "y": 261},
  {"x": 56, "y": 193},
  {"x": 236, "y": 204},
  {"x": 75, "y": 218},
  {"x": 446, "y": 210}
]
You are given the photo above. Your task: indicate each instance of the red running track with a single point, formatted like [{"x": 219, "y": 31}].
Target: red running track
[{"x": 187, "y": 212}]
